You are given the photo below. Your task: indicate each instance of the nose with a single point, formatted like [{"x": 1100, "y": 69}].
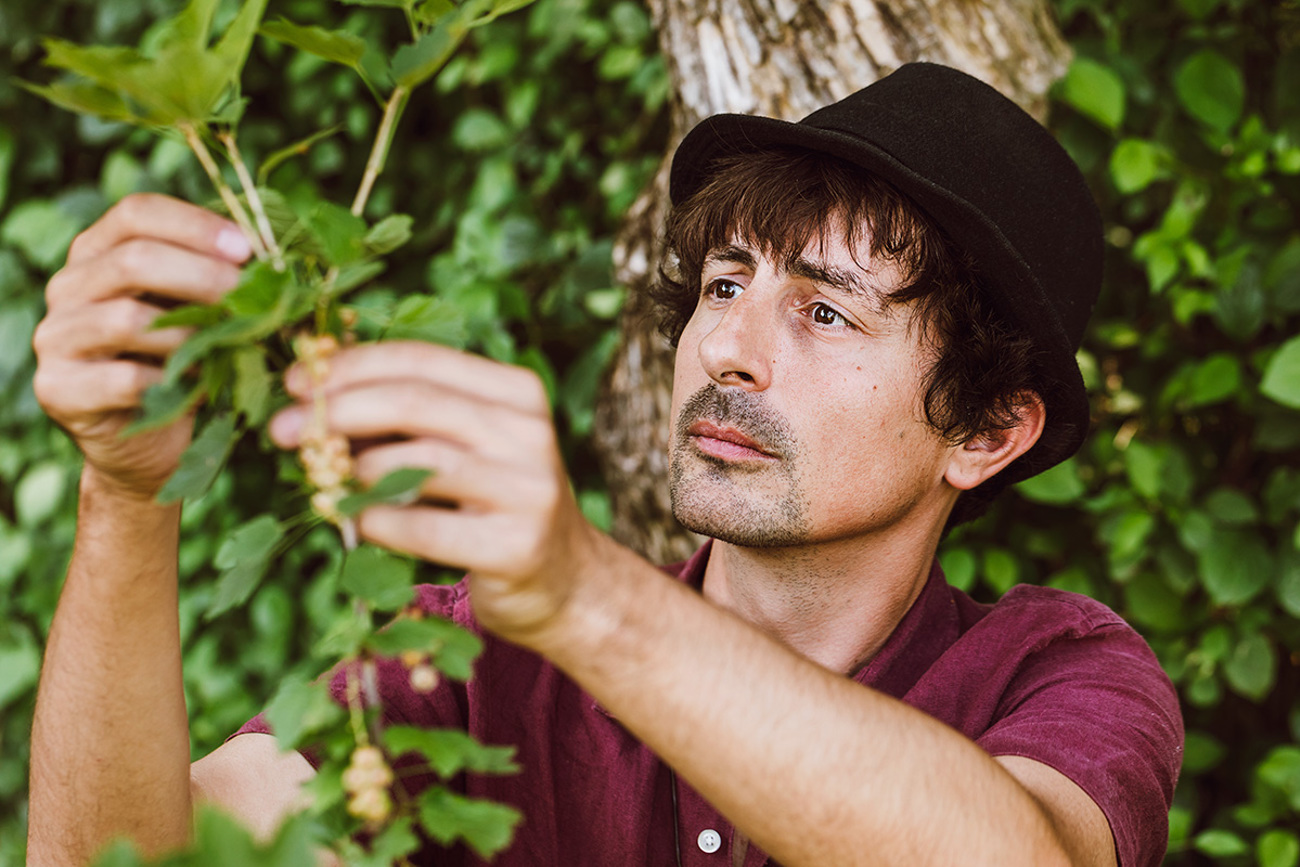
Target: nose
[{"x": 739, "y": 349}]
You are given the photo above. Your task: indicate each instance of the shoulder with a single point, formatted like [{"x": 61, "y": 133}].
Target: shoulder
[{"x": 1038, "y": 616}]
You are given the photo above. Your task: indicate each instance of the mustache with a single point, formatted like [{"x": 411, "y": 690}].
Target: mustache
[{"x": 743, "y": 410}]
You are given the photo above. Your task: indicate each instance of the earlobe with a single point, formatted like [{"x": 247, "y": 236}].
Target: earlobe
[{"x": 985, "y": 455}]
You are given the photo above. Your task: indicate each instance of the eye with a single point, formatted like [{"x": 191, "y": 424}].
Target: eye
[
  {"x": 722, "y": 289},
  {"x": 824, "y": 314}
]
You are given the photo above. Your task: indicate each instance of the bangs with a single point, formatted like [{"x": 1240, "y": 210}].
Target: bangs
[{"x": 815, "y": 197}]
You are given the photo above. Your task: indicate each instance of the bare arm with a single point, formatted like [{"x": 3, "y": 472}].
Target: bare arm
[
  {"x": 864, "y": 779},
  {"x": 110, "y": 740}
]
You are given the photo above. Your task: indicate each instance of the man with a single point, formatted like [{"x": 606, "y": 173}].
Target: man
[{"x": 876, "y": 312}]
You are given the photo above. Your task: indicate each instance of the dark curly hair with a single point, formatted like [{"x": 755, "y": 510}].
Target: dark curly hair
[{"x": 781, "y": 200}]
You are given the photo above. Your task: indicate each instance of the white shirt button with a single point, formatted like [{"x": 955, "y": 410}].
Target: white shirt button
[{"x": 710, "y": 841}]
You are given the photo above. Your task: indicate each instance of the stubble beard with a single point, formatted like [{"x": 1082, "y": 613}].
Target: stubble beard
[{"x": 753, "y": 507}]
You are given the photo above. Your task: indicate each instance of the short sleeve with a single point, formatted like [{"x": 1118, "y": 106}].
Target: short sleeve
[{"x": 1098, "y": 708}]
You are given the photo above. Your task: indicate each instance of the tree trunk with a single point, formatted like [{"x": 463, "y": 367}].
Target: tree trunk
[{"x": 782, "y": 58}]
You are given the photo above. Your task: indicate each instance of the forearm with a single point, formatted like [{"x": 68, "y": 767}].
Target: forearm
[
  {"x": 814, "y": 768},
  {"x": 110, "y": 740}
]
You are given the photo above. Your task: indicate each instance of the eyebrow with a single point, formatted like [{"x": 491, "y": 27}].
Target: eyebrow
[{"x": 841, "y": 279}]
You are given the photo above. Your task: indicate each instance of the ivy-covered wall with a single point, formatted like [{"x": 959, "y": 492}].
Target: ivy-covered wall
[{"x": 1182, "y": 512}]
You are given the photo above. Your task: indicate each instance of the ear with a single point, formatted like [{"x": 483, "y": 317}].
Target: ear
[{"x": 985, "y": 455}]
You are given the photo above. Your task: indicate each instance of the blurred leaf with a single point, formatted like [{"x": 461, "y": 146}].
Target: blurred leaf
[
  {"x": 450, "y": 751},
  {"x": 1145, "y": 466},
  {"x": 1282, "y": 377},
  {"x": 242, "y": 559},
  {"x": 335, "y": 46},
  {"x": 20, "y": 666},
  {"x": 41, "y": 231},
  {"x": 1201, "y": 752},
  {"x": 1135, "y": 163},
  {"x": 1235, "y": 566},
  {"x": 382, "y": 579},
  {"x": 1211, "y": 88},
  {"x": 1095, "y": 90},
  {"x": 200, "y": 463},
  {"x": 1214, "y": 379},
  {"x": 39, "y": 493},
  {"x": 299, "y": 708},
  {"x": 1057, "y": 486},
  {"x": 415, "y": 64},
  {"x": 388, "y": 234},
  {"x": 1218, "y": 843},
  {"x": 1251, "y": 669},
  {"x": 453, "y": 648},
  {"x": 485, "y": 826},
  {"x": 252, "y": 390},
  {"x": 1278, "y": 848},
  {"x": 401, "y": 487}
]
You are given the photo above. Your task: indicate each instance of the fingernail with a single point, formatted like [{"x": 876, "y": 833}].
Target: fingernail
[
  {"x": 286, "y": 425},
  {"x": 232, "y": 244}
]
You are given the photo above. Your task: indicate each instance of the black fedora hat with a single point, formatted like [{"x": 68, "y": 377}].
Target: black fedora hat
[{"x": 992, "y": 178}]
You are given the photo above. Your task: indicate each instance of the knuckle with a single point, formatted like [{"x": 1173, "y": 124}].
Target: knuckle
[
  {"x": 42, "y": 339},
  {"x": 131, "y": 258}
]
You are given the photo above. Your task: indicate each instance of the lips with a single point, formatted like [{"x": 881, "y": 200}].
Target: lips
[{"x": 725, "y": 442}]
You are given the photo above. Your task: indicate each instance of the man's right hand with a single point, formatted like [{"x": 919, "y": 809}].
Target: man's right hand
[{"x": 96, "y": 349}]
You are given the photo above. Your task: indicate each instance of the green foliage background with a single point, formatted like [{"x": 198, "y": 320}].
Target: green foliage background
[{"x": 1182, "y": 512}]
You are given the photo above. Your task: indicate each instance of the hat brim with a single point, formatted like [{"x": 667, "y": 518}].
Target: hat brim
[{"x": 1012, "y": 288}]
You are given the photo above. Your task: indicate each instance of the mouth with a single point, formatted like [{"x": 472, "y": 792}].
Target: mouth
[{"x": 726, "y": 443}]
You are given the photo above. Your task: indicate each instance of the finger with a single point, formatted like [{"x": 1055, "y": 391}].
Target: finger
[
  {"x": 149, "y": 215},
  {"x": 489, "y": 380},
  {"x": 105, "y": 330},
  {"x": 423, "y": 409},
  {"x": 143, "y": 265},
  {"x": 71, "y": 391},
  {"x": 456, "y": 539},
  {"x": 460, "y": 477}
]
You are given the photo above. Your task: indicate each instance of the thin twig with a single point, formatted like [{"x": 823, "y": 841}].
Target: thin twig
[
  {"x": 237, "y": 212},
  {"x": 254, "y": 200},
  {"x": 379, "y": 151}
]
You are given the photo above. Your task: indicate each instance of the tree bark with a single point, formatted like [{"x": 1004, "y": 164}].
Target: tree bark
[{"x": 781, "y": 58}]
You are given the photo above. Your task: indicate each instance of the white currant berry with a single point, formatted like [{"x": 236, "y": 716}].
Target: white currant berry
[
  {"x": 424, "y": 678},
  {"x": 371, "y": 805}
]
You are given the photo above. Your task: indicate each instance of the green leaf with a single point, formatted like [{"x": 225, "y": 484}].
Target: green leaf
[
  {"x": 1234, "y": 566},
  {"x": 189, "y": 316},
  {"x": 383, "y": 579},
  {"x": 400, "y": 487},
  {"x": 1220, "y": 844},
  {"x": 1252, "y": 668},
  {"x": 242, "y": 559},
  {"x": 1056, "y": 486},
  {"x": 20, "y": 666},
  {"x": 335, "y": 46},
  {"x": 192, "y": 26},
  {"x": 450, "y": 751},
  {"x": 453, "y": 648},
  {"x": 1281, "y": 771},
  {"x": 485, "y": 826},
  {"x": 1288, "y": 583},
  {"x": 200, "y": 463},
  {"x": 429, "y": 318},
  {"x": 1135, "y": 163},
  {"x": 415, "y": 64},
  {"x": 1000, "y": 569},
  {"x": 1278, "y": 848},
  {"x": 338, "y": 231},
  {"x": 1095, "y": 90},
  {"x": 301, "y": 707},
  {"x": 235, "y": 44},
  {"x": 84, "y": 98},
  {"x": 388, "y": 234},
  {"x": 1211, "y": 88},
  {"x": 1215, "y": 379},
  {"x": 162, "y": 405},
  {"x": 959, "y": 567},
  {"x": 39, "y": 493},
  {"x": 1145, "y": 466},
  {"x": 41, "y": 230},
  {"x": 390, "y": 847},
  {"x": 252, "y": 391},
  {"x": 1282, "y": 376},
  {"x": 1201, "y": 752}
]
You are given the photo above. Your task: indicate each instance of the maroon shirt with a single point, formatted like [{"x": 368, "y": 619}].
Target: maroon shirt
[{"x": 1049, "y": 675}]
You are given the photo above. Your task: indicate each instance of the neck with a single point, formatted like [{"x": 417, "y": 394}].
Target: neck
[{"x": 835, "y": 602}]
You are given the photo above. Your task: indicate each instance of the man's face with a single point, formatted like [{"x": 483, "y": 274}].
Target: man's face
[{"x": 796, "y": 401}]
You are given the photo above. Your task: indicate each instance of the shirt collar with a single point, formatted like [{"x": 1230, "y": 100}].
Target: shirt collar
[{"x": 928, "y": 628}]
